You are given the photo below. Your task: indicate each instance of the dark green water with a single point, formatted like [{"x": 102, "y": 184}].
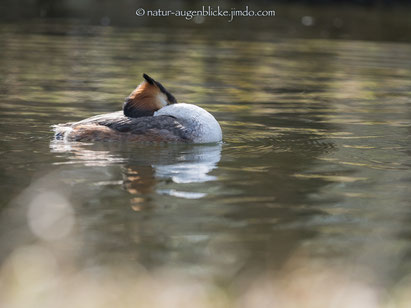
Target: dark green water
[{"x": 314, "y": 173}]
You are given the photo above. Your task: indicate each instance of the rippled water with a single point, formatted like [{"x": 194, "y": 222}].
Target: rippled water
[{"x": 313, "y": 175}]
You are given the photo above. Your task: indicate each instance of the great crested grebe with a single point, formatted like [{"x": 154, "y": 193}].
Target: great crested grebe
[{"x": 150, "y": 114}]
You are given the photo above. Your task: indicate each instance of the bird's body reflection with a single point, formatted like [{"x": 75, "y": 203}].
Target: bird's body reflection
[
  {"x": 151, "y": 169},
  {"x": 191, "y": 166}
]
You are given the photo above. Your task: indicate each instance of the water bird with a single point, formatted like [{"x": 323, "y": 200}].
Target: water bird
[{"x": 150, "y": 114}]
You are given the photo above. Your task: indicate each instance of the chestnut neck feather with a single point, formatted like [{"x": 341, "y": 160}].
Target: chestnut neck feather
[{"x": 143, "y": 101}]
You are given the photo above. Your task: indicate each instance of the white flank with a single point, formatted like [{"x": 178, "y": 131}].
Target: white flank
[{"x": 199, "y": 122}]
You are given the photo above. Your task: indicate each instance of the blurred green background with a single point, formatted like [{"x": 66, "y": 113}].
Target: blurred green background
[{"x": 387, "y": 20}]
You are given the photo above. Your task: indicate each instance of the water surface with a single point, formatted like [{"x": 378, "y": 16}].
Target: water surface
[{"x": 312, "y": 179}]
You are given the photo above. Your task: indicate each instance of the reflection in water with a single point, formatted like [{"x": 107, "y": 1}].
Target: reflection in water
[
  {"x": 193, "y": 166},
  {"x": 179, "y": 164}
]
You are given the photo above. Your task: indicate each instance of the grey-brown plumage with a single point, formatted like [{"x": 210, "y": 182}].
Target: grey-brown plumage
[
  {"x": 116, "y": 126},
  {"x": 150, "y": 114}
]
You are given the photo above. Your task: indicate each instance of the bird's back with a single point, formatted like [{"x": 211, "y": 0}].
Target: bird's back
[{"x": 117, "y": 127}]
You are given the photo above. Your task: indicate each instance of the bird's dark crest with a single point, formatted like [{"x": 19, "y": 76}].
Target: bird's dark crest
[
  {"x": 170, "y": 96},
  {"x": 149, "y": 79}
]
